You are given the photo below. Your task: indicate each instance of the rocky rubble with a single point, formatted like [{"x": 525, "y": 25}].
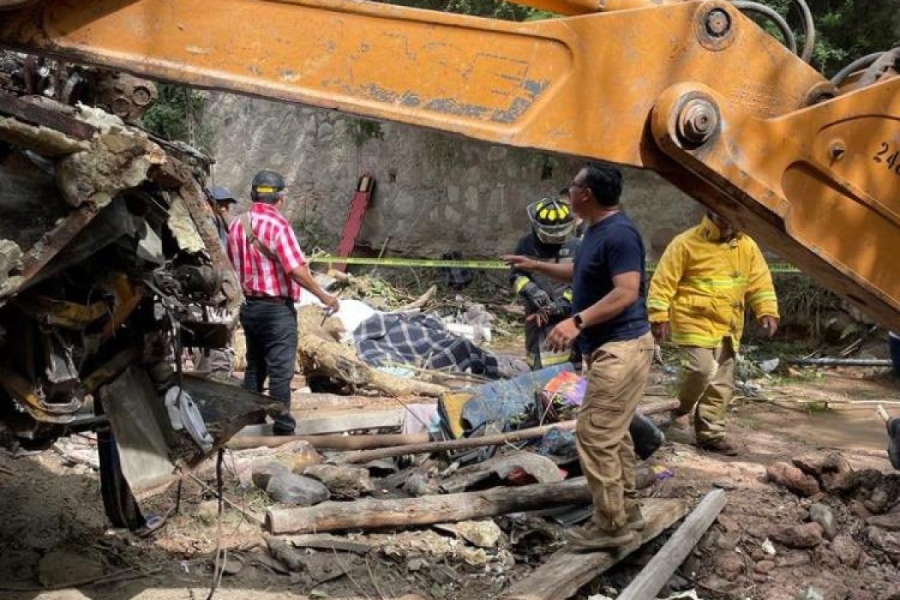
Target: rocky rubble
[{"x": 834, "y": 536}]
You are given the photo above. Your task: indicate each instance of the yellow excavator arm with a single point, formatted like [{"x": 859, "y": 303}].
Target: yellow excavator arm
[{"x": 693, "y": 90}]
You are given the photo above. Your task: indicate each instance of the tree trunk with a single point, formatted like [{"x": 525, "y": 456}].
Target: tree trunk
[
  {"x": 376, "y": 514},
  {"x": 318, "y": 353}
]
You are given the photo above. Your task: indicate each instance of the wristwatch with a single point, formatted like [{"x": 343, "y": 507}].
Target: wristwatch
[{"x": 579, "y": 322}]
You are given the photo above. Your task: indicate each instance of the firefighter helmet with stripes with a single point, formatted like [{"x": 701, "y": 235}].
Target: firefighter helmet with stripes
[{"x": 552, "y": 219}]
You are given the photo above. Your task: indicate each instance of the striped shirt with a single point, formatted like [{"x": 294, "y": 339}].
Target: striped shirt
[{"x": 260, "y": 275}]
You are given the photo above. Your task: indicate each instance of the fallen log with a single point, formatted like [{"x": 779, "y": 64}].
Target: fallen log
[
  {"x": 660, "y": 568},
  {"x": 365, "y": 456},
  {"x": 566, "y": 572},
  {"x": 428, "y": 510},
  {"x": 329, "y": 441}
]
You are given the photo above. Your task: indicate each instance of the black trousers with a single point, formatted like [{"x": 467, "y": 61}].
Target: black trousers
[{"x": 270, "y": 329}]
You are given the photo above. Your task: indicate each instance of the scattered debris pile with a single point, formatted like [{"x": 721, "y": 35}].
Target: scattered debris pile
[
  {"x": 109, "y": 265},
  {"x": 834, "y": 534}
]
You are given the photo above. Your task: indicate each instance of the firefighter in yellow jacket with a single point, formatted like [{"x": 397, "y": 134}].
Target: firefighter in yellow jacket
[{"x": 704, "y": 281}]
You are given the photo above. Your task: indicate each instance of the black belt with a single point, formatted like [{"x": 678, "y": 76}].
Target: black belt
[{"x": 272, "y": 299}]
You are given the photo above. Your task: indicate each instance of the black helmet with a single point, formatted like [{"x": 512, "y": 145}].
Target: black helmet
[
  {"x": 552, "y": 219},
  {"x": 267, "y": 186}
]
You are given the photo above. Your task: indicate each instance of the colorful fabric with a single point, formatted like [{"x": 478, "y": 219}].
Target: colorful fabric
[{"x": 562, "y": 396}]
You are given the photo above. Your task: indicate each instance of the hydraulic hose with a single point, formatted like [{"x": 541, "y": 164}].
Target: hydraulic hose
[
  {"x": 809, "y": 28},
  {"x": 789, "y": 40},
  {"x": 856, "y": 65}
]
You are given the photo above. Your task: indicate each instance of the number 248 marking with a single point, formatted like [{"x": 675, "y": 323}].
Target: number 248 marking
[{"x": 893, "y": 161}]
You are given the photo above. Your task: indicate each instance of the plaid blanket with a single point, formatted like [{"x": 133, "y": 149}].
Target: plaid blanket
[{"x": 420, "y": 340}]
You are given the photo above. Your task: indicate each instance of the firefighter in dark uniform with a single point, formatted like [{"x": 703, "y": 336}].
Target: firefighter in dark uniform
[{"x": 547, "y": 302}]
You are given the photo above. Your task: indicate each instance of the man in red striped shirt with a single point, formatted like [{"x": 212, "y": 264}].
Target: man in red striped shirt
[{"x": 273, "y": 272}]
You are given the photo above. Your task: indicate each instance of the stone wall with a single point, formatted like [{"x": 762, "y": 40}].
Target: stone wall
[{"x": 434, "y": 192}]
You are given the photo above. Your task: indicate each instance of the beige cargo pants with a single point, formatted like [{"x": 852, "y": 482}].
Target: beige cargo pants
[
  {"x": 616, "y": 378},
  {"x": 707, "y": 385}
]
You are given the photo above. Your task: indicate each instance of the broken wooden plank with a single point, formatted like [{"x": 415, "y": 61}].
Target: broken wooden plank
[
  {"x": 660, "y": 568},
  {"x": 365, "y": 456},
  {"x": 334, "y": 441},
  {"x": 500, "y": 439},
  {"x": 329, "y": 542},
  {"x": 348, "y": 421},
  {"x": 566, "y": 571},
  {"x": 428, "y": 510},
  {"x": 314, "y": 401}
]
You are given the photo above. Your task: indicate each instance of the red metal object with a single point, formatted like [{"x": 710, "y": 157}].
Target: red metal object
[{"x": 361, "y": 198}]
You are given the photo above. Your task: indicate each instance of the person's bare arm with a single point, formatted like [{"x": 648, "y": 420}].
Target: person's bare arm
[
  {"x": 303, "y": 276},
  {"x": 559, "y": 271}
]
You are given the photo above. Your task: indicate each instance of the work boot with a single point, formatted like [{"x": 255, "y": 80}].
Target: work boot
[
  {"x": 719, "y": 446},
  {"x": 590, "y": 537},
  {"x": 636, "y": 520}
]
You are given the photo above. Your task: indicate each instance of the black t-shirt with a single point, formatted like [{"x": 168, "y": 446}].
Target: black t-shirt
[{"x": 609, "y": 248}]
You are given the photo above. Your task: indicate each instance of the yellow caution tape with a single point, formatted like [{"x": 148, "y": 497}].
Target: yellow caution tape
[{"x": 464, "y": 264}]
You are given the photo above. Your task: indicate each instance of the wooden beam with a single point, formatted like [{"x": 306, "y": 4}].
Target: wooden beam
[
  {"x": 365, "y": 456},
  {"x": 315, "y": 402},
  {"x": 334, "y": 441},
  {"x": 660, "y": 568},
  {"x": 499, "y": 439},
  {"x": 348, "y": 421},
  {"x": 566, "y": 571},
  {"x": 428, "y": 510}
]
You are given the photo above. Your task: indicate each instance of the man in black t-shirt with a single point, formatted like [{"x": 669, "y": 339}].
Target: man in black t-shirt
[{"x": 609, "y": 323}]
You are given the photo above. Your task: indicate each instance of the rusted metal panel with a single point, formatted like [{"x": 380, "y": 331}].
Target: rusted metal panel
[
  {"x": 201, "y": 215},
  {"x": 35, "y": 114},
  {"x": 30, "y": 398},
  {"x": 50, "y": 245}
]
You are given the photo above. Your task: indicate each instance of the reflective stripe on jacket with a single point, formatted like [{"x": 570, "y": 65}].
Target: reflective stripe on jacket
[{"x": 702, "y": 286}]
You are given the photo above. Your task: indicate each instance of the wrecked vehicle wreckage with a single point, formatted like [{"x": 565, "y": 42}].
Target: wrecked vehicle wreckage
[{"x": 109, "y": 266}]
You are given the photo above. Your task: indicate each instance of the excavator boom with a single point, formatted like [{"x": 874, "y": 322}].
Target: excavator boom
[{"x": 693, "y": 90}]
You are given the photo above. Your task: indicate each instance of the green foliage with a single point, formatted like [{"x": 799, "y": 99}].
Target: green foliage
[
  {"x": 176, "y": 116},
  {"x": 845, "y": 29},
  {"x": 364, "y": 130}
]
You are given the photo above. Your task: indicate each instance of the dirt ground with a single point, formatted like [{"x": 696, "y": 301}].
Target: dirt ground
[{"x": 54, "y": 542}]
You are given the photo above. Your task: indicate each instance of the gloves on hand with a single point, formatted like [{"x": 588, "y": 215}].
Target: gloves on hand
[
  {"x": 536, "y": 298},
  {"x": 559, "y": 308}
]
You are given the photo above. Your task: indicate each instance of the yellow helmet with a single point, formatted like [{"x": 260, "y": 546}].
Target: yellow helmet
[{"x": 552, "y": 219}]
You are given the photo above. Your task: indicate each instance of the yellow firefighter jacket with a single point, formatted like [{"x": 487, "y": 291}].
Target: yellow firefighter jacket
[{"x": 702, "y": 285}]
